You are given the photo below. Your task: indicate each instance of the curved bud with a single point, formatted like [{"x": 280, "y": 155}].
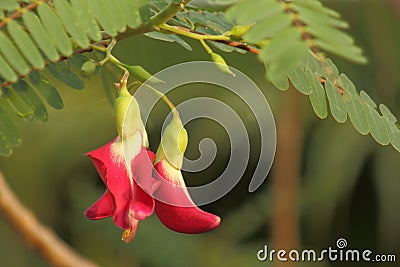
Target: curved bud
[
  {"x": 239, "y": 30},
  {"x": 221, "y": 64},
  {"x": 173, "y": 143}
]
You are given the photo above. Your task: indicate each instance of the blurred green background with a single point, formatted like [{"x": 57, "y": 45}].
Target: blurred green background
[{"x": 349, "y": 186}]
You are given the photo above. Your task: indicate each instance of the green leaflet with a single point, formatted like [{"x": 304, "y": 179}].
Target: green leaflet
[
  {"x": 394, "y": 133},
  {"x": 46, "y": 89},
  {"x": 375, "y": 121},
  {"x": 172, "y": 38},
  {"x": 86, "y": 19},
  {"x": 283, "y": 53},
  {"x": 6, "y": 71},
  {"x": 356, "y": 112},
  {"x": 313, "y": 64},
  {"x": 317, "y": 7},
  {"x": 366, "y": 99},
  {"x": 312, "y": 19},
  {"x": 311, "y": 16},
  {"x": 39, "y": 35},
  {"x": 102, "y": 12},
  {"x": 336, "y": 102},
  {"x": 8, "y": 129},
  {"x": 353, "y": 54},
  {"x": 330, "y": 70},
  {"x": 282, "y": 83},
  {"x": 248, "y": 11},
  {"x": 217, "y": 21},
  {"x": 280, "y": 44},
  {"x": 287, "y": 61},
  {"x": 119, "y": 21},
  {"x": 71, "y": 22},
  {"x": 28, "y": 95},
  {"x": 55, "y": 29},
  {"x": 376, "y": 125},
  {"x": 138, "y": 12},
  {"x": 8, "y": 4},
  {"x": 62, "y": 72},
  {"x": 318, "y": 97},
  {"x": 212, "y": 23},
  {"x": 5, "y": 148},
  {"x": 268, "y": 28},
  {"x": 44, "y": 34},
  {"x": 347, "y": 84},
  {"x": 25, "y": 44},
  {"x": 12, "y": 55},
  {"x": 387, "y": 113},
  {"x": 299, "y": 79},
  {"x": 22, "y": 107},
  {"x": 226, "y": 48}
]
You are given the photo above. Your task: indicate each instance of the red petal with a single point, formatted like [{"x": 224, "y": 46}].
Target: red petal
[
  {"x": 120, "y": 187},
  {"x": 144, "y": 184},
  {"x": 189, "y": 220},
  {"x": 104, "y": 207},
  {"x": 186, "y": 218},
  {"x": 101, "y": 158},
  {"x": 142, "y": 170},
  {"x": 109, "y": 163}
]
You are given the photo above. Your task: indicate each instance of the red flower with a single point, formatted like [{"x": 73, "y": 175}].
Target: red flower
[
  {"x": 126, "y": 167},
  {"x": 123, "y": 199},
  {"x": 129, "y": 202}
]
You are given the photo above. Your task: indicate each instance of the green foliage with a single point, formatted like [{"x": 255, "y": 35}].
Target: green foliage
[
  {"x": 37, "y": 34},
  {"x": 290, "y": 38},
  {"x": 291, "y": 35}
]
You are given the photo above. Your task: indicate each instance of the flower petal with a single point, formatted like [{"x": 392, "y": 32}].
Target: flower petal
[
  {"x": 143, "y": 185},
  {"x": 109, "y": 162},
  {"x": 101, "y": 158},
  {"x": 120, "y": 187},
  {"x": 185, "y": 218},
  {"x": 104, "y": 207},
  {"x": 142, "y": 170},
  {"x": 189, "y": 220}
]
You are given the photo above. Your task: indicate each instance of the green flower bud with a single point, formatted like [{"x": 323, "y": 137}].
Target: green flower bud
[
  {"x": 88, "y": 68},
  {"x": 140, "y": 74},
  {"x": 173, "y": 143},
  {"x": 221, "y": 64},
  {"x": 239, "y": 30},
  {"x": 126, "y": 106}
]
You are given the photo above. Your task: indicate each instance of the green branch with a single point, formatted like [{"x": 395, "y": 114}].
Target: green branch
[
  {"x": 168, "y": 12},
  {"x": 193, "y": 35}
]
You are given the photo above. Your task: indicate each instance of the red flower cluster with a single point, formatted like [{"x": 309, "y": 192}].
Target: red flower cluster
[{"x": 127, "y": 169}]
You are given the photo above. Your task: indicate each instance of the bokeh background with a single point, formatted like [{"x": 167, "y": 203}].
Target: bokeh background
[{"x": 327, "y": 181}]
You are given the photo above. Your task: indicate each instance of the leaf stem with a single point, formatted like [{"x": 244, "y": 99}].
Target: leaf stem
[
  {"x": 168, "y": 12},
  {"x": 164, "y": 98},
  {"x": 206, "y": 47},
  {"x": 109, "y": 57},
  {"x": 193, "y": 35}
]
